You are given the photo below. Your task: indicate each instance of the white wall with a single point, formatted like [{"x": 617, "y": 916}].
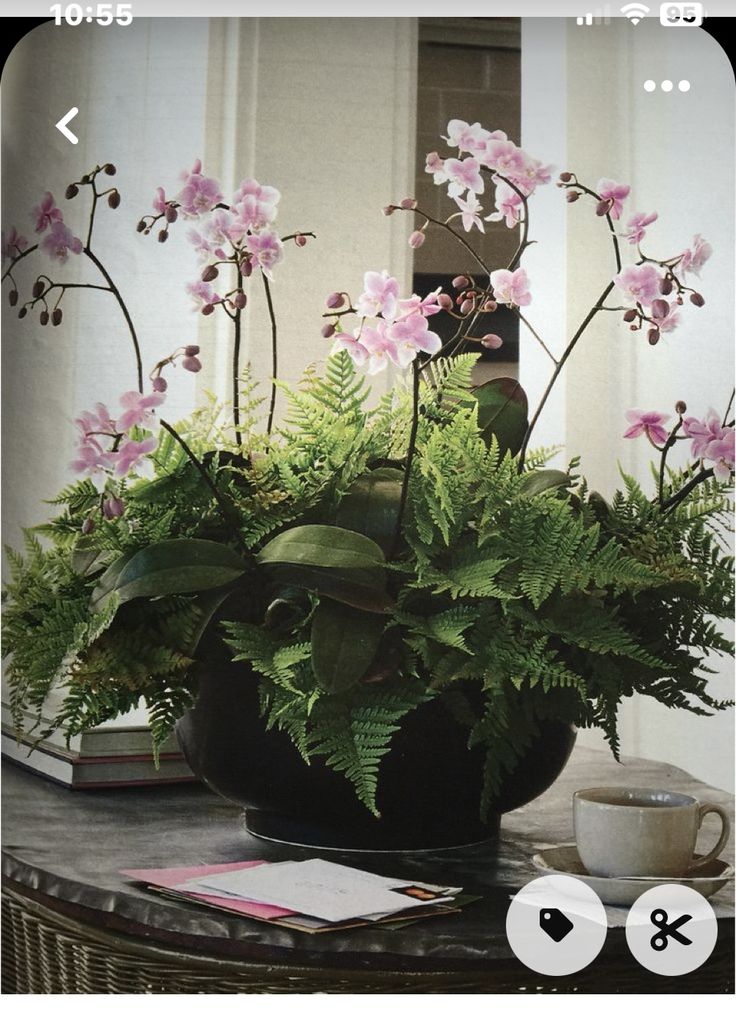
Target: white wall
[{"x": 677, "y": 152}]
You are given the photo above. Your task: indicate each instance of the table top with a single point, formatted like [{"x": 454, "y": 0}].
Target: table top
[{"x": 70, "y": 845}]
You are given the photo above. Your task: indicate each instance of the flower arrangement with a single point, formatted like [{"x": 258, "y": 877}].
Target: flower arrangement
[{"x": 363, "y": 558}]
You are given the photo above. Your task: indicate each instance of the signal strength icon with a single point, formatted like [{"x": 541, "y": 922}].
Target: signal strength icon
[
  {"x": 598, "y": 17},
  {"x": 635, "y": 12}
]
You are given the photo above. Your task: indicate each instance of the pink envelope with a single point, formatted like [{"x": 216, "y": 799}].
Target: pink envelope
[{"x": 168, "y": 877}]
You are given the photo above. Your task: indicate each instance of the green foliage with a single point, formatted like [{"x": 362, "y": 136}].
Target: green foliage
[{"x": 524, "y": 587}]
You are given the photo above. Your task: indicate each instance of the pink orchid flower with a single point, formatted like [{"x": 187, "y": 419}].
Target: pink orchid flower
[
  {"x": 670, "y": 321},
  {"x": 649, "y": 423},
  {"x": 693, "y": 259},
  {"x": 412, "y": 335},
  {"x": 379, "y": 296},
  {"x": 511, "y": 287},
  {"x": 503, "y": 157},
  {"x": 469, "y": 212},
  {"x": 46, "y": 213},
  {"x": 13, "y": 244},
  {"x": 427, "y": 306},
  {"x": 203, "y": 294},
  {"x": 508, "y": 205},
  {"x": 129, "y": 454},
  {"x": 639, "y": 283},
  {"x": 636, "y": 227},
  {"x": 721, "y": 453},
  {"x": 704, "y": 432},
  {"x": 200, "y": 243},
  {"x": 352, "y": 346},
  {"x": 138, "y": 409},
  {"x": 252, "y": 213},
  {"x": 59, "y": 241},
  {"x": 466, "y": 138},
  {"x": 436, "y": 166},
  {"x": 219, "y": 229},
  {"x": 199, "y": 194},
  {"x": 615, "y": 194},
  {"x": 532, "y": 174},
  {"x": 252, "y": 188},
  {"x": 379, "y": 346},
  {"x": 463, "y": 174},
  {"x": 91, "y": 460},
  {"x": 159, "y": 201},
  {"x": 96, "y": 423},
  {"x": 267, "y": 250}
]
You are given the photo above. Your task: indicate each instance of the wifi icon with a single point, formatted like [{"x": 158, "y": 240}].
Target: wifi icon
[{"x": 634, "y": 12}]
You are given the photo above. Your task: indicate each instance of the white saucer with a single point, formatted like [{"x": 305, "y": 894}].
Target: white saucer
[{"x": 625, "y": 891}]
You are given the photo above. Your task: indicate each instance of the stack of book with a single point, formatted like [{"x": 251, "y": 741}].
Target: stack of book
[
  {"x": 115, "y": 754},
  {"x": 313, "y": 896}
]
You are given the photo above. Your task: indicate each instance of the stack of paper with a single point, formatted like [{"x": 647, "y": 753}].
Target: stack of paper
[{"x": 309, "y": 895}]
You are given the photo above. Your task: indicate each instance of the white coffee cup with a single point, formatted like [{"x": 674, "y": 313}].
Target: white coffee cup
[{"x": 624, "y": 832}]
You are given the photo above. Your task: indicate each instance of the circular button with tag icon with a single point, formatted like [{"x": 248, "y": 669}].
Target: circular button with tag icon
[
  {"x": 671, "y": 930},
  {"x": 556, "y": 925}
]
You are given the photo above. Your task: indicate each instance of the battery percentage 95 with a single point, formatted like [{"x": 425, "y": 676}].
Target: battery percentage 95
[{"x": 675, "y": 15}]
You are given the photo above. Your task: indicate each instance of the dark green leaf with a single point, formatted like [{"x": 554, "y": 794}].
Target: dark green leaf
[
  {"x": 503, "y": 411},
  {"x": 533, "y": 483},
  {"x": 371, "y": 506},
  {"x": 169, "y": 568},
  {"x": 333, "y": 561},
  {"x": 344, "y": 643}
]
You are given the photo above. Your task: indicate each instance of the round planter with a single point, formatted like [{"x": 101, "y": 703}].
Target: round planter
[{"x": 429, "y": 784}]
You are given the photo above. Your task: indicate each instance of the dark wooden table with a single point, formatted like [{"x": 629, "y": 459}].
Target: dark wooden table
[{"x": 73, "y": 924}]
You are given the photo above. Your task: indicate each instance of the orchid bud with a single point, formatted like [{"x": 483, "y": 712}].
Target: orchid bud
[
  {"x": 679, "y": 301},
  {"x": 460, "y": 282},
  {"x": 85, "y": 178},
  {"x": 163, "y": 236},
  {"x": 38, "y": 288},
  {"x": 571, "y": 196},
  {"x": 388, "y": 210},
  {"x": 416, "y": 239},
  {"x": 207, "y": 309},
  {"x": 109, "y": 169},
  {"x": 192, "y": 364},
  {"x": 660, "y": 308},
  {"x": 112, "y": 507},
  {"x": 630, "y": 315},
  {"x": 409, "y": 203},
  {"x": 680, "y": 407},
  {"x": 191, "y": 350},
  {"x": 565, "y": 177},
  {"x": 22, "y": 312},
  {"x": 633, "y": 327},
  {"x": 246, "y": 267},
  {"x": 445, "y": 301},
  {"x": 466, "y": 306},
  {"x": 13, "y": 297},
  {"x": 171, "y": 213},
  {"x": 300, "y": 240},
  {"x": 43, "y": 318},
  {"x": 240, "y": 299},
  {"x": 71, "y": 191},
  {"x": 159, "y": 384},
  {"x": 665, "y": 285},
  {"x": 114, "y": 199},
  {"x": 490, "y": 305},
  {"x": 141, "y": 227},
  {"x": 87, "y": 525},
  {"x": 653, "y": 336},
  {"x": 209, "y": 273},
  {"x": 56, "y": 317},
  {"x": 328, "y": 330},
  {"x": 491, "y": 341},
  {"x": 334, "y": 300},
  {"x": 697, "y": 299},
  {"x": 602, "y": 208}
]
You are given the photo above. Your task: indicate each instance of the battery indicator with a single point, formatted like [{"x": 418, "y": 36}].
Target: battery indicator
[{"x": 674, "y": 15}]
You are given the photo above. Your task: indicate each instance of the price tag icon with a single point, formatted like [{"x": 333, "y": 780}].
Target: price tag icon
[{"x": 555, "y": 924}]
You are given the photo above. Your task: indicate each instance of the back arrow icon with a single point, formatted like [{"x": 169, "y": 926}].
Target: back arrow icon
[{"x": 62, "y": 125}]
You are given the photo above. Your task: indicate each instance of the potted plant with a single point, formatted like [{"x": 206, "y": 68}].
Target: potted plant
[{"x": 377, "y": 623}]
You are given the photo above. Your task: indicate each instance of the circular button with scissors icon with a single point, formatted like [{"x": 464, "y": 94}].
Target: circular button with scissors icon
[
  {"x": 685, "y": 930},
  {"x": 660, "y": 918}
]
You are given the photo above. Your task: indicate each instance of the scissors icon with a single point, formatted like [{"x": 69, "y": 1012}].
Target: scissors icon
[{"x": 660, "y": 940}]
